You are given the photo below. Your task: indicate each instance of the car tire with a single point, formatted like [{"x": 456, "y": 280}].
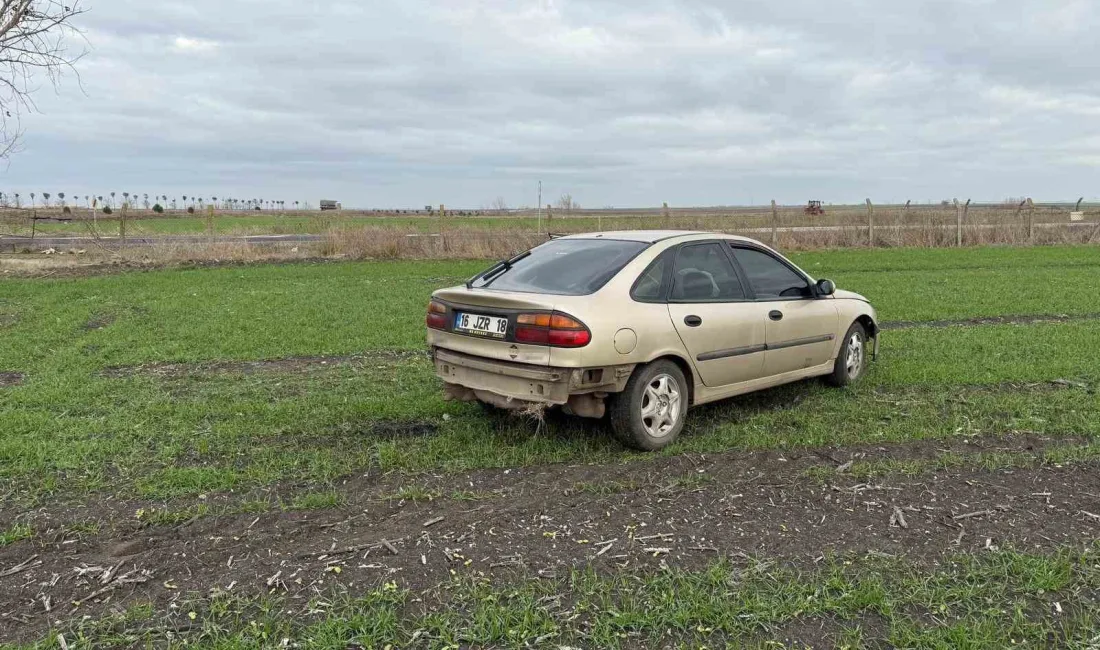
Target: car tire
[
  {"x": 649, "y": 414},
  {"x": 851, "y": 362}
]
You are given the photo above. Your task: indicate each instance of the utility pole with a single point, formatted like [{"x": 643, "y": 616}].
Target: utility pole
[{"x": 539, "y": 204}]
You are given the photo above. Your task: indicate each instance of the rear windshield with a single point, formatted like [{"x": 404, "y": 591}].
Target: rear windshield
[{"x": 569, "y": 267}]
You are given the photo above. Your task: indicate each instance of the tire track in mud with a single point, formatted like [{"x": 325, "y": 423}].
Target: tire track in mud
[
  {"x": 286, "y": 364},
  {"x": 1035, "y": 319}
]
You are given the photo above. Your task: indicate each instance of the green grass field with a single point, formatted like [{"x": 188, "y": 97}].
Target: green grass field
[
  {"x": 318, "y": 223},
  {"x": 193, "y": 225},
  {"x": 98, "y": 414},
  {"x": 70, "y": 427}
]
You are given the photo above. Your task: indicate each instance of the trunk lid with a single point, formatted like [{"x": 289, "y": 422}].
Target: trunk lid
[
  {"x": 491, "y": 304},
  {"x": 495, "y": 299}
]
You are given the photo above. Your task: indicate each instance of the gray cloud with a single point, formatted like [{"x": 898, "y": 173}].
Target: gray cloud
[{"x": 621, "y": 102}]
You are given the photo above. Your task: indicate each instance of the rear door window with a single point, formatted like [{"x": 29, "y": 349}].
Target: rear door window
[
  {"x": 703, "y": 273},
  {"x": 770, "y": 278},
  {"x": 568, "y": 267}
]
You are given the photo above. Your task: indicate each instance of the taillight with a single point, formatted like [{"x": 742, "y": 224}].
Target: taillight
[
  {"x": 437, "y": 316},
  {"x": 554, "y": 329}
]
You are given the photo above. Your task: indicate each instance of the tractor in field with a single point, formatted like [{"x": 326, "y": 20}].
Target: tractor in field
[{"x": 814, "y": 209}]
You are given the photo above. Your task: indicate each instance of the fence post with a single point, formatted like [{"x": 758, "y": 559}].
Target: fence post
[
  {"x": 122, "y": 225},
  {"x": 870, "y": 223},
  {"x": 775, "y": 225},
  {"x": 549, "y": 216},
  {"x": 958, "y": 222},
  {"x": 962, "y": 219},
  {"x": 1030, "y": 220},
  {"x": 210, "y": 223},
  {"x": 898, "y": 232},
  {"x": 1015, "y": 221},
  {"x": 666, "y": 215}
]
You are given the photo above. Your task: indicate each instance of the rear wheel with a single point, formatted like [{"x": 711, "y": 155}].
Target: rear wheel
[
  {"x": 649, "y": 413},
  {"x": 851, "y": 363}
]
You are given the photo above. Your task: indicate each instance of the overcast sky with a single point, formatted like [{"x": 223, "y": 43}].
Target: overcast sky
[{"x": 619, "y": 102}]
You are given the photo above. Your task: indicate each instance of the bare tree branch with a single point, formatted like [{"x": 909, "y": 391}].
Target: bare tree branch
[{"x": 34, "y": 35}]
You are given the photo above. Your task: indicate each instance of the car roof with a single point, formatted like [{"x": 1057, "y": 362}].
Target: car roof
[{"x": 653, "y": 236}]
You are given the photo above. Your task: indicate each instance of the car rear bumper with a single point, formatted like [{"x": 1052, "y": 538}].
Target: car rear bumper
[{"x": 503, "y": 382}]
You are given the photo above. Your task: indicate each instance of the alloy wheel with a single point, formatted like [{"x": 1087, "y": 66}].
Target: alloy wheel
[
  {"x": 854, "y": 360},
  {"x": 660, "y": 406}
]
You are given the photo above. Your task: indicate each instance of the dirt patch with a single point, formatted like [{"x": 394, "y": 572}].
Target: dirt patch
[
  {"x": 370, "y": 432},
  {"x": 683, "y": 511},
  {"x": 286, "y": 365},
  {"x": 990, "y": 320},
  {"x": 31, "y": 266},
  {"x": 8, "y": 379},
  {"x": 99, "y": 321}
]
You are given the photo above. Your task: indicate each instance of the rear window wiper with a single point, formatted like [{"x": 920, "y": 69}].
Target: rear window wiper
[{"x": 495, "y": 271}]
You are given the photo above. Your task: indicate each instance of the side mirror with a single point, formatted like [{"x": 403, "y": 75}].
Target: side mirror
[{"x": 825, "y": 288}]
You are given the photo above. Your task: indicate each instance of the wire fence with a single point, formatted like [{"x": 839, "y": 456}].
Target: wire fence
[{"x": 393, "y": 234}]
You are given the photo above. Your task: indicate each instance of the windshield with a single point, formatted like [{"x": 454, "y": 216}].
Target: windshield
[{"x": 569, "y": 267}]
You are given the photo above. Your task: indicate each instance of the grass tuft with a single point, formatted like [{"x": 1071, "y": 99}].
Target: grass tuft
[
  {"x": 16, "y": 533},
  {"x": 317, "y": 501},
  {"x": 414, "y": 493}
]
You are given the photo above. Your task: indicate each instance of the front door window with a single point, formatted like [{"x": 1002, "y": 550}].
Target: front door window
[{"x": 770, "y": 278}]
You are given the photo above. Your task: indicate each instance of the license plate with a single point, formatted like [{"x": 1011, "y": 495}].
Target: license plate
[{"x": 492, "y": 326}]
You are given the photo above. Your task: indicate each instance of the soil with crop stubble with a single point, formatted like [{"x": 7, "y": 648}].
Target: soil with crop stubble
[{"x": 684, "y": 512}]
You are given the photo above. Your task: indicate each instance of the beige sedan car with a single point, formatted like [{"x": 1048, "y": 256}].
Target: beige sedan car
[{"x": 641, "y": 325}]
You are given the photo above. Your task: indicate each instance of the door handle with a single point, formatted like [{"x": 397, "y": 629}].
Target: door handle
[
  {"x": 693, "y": 321},
  {"x": 775, "y": 314}
]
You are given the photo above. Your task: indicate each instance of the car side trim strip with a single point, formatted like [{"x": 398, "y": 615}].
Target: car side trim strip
[
  {"x": 753, "y": 349},
  {"x": 793, "y": 343},
  {"x": 731, "y": 352}
]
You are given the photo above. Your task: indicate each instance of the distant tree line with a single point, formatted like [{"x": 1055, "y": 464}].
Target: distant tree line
[{"x": 134, "y": 200}]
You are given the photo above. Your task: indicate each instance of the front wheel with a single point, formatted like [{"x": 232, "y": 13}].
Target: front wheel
[
  {"x": 649, "y": 413},
  {"x": 851, "y": 363}
]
